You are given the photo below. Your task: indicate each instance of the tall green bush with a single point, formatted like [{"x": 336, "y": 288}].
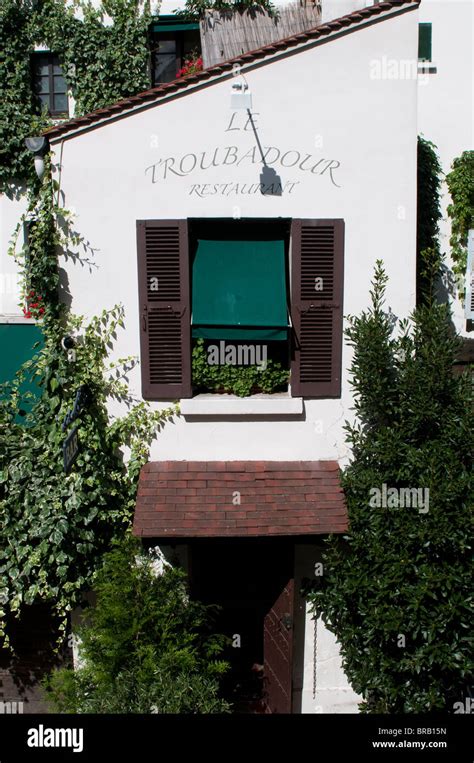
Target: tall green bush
[
  {"x": 397, "y": 589},
  {"x": 145, "y": 646}
]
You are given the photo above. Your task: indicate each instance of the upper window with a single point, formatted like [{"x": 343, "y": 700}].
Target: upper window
[
  {"x": 240, "y": 293},
  {"x": 239, "y": 306},
  {"x": 173, "y": 43},
  {"x": 239, "y": 282},
  {"x": 424, "y": 42},
  {"x": 49, "y": 84}
]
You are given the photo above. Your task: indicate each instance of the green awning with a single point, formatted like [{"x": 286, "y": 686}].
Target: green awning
[
  {"x": 239, "y": 290},
  {"x": 225, "y": 332},
  {"x": 173, "y": 24}
]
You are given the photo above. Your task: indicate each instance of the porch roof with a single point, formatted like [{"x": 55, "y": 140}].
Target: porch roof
[{"x": 188, "y": 499}]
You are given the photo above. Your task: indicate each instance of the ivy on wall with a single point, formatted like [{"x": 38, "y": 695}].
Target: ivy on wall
[
  {"x": 54, "y": 527},
  {"x": 18, "y": 117},
  {"x": 105, "y": 55},
  {"x": 460, "y": 183}
]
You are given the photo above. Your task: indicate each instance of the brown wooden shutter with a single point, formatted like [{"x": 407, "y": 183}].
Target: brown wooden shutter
[
  {"x": 165, "y": 324},
  {"x": 317, "y": 252}
]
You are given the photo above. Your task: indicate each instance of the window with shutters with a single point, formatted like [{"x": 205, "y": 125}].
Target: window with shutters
[
  {"x": 240, "y": 298},
  {"x": 273, "y": 286},
  {"x": 173, "y": 41}
]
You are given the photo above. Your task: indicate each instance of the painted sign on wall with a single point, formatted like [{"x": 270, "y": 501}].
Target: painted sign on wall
[{"x": 272, "y": 160}]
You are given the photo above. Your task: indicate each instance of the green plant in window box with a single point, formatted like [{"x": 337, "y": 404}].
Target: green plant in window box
[{"x": 238, "y": 380}]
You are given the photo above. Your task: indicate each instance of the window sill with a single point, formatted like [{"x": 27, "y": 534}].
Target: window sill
[{"x": 280, "y": 404}]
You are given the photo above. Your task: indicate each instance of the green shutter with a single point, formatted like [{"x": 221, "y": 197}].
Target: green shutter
[
  {"x": 17, "y": 345},
  {"x": 424, "y": 42},
  {"x": 239, "y": 290}
]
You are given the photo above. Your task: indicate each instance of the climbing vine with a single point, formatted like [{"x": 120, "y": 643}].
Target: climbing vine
[
  {"x": 55, "y": 526},
  {"x": 461, "y": 210},
  {"x": 37, "y": 258},
  {"x": 105, "y": 54}
]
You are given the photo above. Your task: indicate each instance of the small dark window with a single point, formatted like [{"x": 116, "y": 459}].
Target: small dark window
[
  {"x": 170, "y": 51},
  {"x": 424, "y": 42},
  {"x": 49, "y": 84}
]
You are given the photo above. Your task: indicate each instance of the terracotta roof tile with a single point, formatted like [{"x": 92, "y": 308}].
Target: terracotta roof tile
[
  {"x": 195, "y": 499},
  {"x": 332, "y": 27}
]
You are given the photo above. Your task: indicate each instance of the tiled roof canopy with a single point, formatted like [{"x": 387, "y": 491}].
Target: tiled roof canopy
[
  {"x": 333, "y": 28},
  {"x": 180, "y": 499}
]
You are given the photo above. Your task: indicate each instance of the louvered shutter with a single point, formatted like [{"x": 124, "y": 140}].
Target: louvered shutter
[
  {"x": 165, "y": 330},
  {"x": 469, "y": 303},
  {"x": 317, "y": 264}
]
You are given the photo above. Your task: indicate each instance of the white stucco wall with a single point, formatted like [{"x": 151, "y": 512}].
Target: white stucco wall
[
  {"x": 313, "y": 103},
  {"x": 333, "y": 9},
  {"x": 11, "y": 210},
  {"x": 446, "y": 97},
  {"x": 325, "y": 688}
]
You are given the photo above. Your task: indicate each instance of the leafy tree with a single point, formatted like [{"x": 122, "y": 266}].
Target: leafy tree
[
  {"x": 396, "y": 590},
  {"x": 145, "y": 646},
  {"x": 55, "y": 527}
]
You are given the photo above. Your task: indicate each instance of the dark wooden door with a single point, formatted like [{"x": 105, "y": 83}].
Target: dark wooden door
[{"x": 278, "y": 651}]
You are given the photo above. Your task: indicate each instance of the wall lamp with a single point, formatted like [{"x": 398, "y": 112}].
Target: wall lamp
[
  {"x": 241, "y": 99},
  {"x": 38, "y": 147}
]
